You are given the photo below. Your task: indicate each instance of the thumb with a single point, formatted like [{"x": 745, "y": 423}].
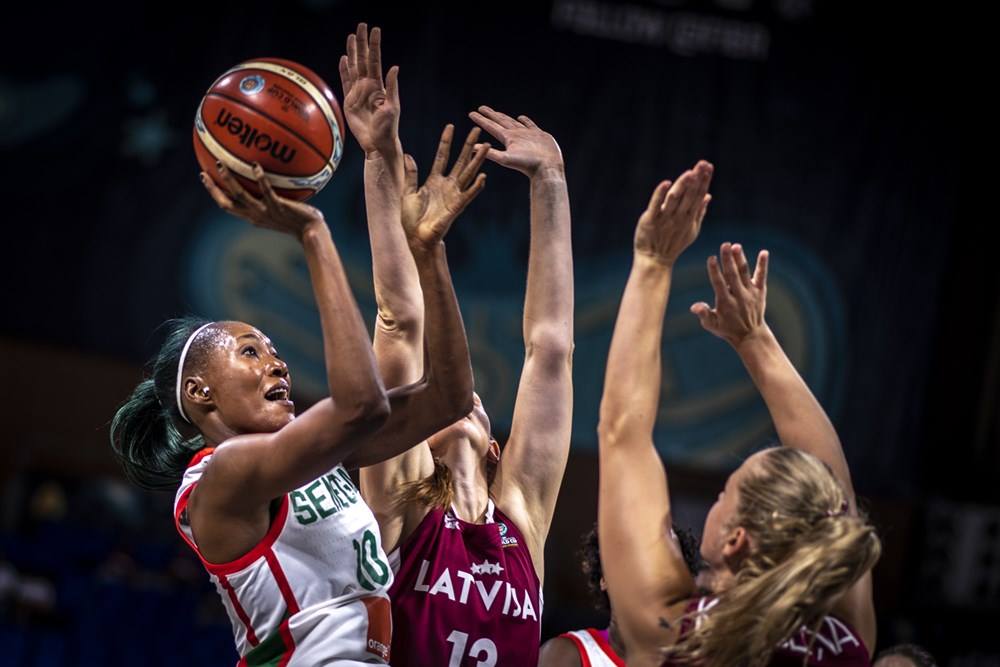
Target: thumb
[
  {"x": 500, "y": 157},
  {"x": 392, "y": 84},
  {"x": 703, "y": 312}
]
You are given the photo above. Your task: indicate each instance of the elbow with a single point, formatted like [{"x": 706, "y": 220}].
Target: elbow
[{"x": 551, "y": 345}]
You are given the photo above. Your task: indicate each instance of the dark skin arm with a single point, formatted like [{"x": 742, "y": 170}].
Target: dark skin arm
[
  {"x": 559, "y": 652},
  {"x": 229, "y": 507}
]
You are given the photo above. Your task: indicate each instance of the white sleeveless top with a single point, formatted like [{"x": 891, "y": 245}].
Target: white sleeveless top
[
  {"x": 314, "y": 590},
  {"x": 594, "y": 650}
]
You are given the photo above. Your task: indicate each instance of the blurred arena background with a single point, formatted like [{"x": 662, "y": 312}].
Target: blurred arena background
[{"x": 836, "y": 130}]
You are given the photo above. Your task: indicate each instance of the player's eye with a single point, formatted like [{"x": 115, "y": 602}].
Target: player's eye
[{"x": 250, "y": 351}]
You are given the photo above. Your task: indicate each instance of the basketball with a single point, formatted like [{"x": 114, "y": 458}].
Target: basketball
[{"x": 275, "y": 112}]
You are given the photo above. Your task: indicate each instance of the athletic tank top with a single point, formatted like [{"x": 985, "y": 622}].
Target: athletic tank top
[
  {"x": 313, "y": 591},
  {"x": 465, "y": 594},
  {"x": 594, "y": 648},
  {"x": 835, "y": 644}
]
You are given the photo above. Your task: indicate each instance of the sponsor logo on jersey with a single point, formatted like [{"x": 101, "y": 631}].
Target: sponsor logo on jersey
[
  {"x": 505, "y": 539},
  {"x": 450, "y": 521},
  {"x": 251, "y": 85},
  {"x": 251, "y": 137},
  {"x": 515, "y": 602}
]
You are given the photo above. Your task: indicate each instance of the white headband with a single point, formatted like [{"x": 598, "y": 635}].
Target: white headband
[{"x": 180, "y": 367}]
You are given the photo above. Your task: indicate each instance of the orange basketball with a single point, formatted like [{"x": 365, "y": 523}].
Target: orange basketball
[{"x": 275, "y": 112}]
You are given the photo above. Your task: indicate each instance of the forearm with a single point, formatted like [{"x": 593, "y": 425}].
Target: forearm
[
  {"x": 449, "y": 370},
  {"x": 799, "y": 419},
  {"x": 350, "y": 364},
  {"x": 548, "y": 303},
  {"x": 632, "y": 383},
  {"x": 397, "y": 288}
]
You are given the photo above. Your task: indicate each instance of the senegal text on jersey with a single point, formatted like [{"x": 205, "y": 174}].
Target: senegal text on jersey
[{"x": 324, "y": 497}]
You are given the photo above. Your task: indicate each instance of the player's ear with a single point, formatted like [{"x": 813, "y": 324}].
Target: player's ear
[{"x": 494, "y": 451}]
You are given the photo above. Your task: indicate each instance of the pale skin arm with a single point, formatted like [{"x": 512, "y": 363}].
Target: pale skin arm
[
  {"x": 648, "y": 580},
  {"x": 427, "y": 213},
  {"x": 531, "y": 469},
  {"x": 799, "y": 419}
]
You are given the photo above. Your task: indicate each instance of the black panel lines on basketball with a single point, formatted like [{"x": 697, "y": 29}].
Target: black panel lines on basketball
[
  {"x": 306, "y": 142},
  {"x": 244, "y": 180}
]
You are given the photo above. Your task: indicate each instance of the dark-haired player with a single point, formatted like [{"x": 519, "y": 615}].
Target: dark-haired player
[
  {"x": 591, "y": 647},
  {"x": 262, "y": 495}
]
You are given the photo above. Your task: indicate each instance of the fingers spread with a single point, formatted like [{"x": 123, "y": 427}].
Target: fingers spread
[
  {"x": 742, "y": 267},
  {"x": 478, "y": 157},
  {"x": 466, "y": 153},
  {"x": 472, "y": 192},
  {"x": 729, "y": 268},
  {"x": 718, "y": 282},
  {"x": 345, "y": 76},
  {"x": 352, "y": 57},
  {"x": 409, "y": 174},
  {"x": 236, "y": 191},
  {"x": 220, "y": 198},
  {"x": 444, "y": 150},
  {"x": 375, "y": 55},
  {"x": 363, "y": 50},
  {"x": 760, "y": 272},
  {"x": 490, "y": 126},
  {"x": 267, "y": 192}
]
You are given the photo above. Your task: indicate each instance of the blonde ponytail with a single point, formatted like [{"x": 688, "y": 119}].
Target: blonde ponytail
[{"x": 806, "y": 551}]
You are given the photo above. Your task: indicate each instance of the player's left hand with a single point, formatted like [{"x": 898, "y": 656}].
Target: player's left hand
[
  {"x": 269, "y": 211},
  {"x": 429, "y": 211},
  {"x": 528, "y": 148},
  {"x": 740, "y": 298},
  {"x": 370, "y": 105}
]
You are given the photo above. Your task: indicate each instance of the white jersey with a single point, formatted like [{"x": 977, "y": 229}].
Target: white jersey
[
  {"x": 313, "y": 591},
  {"x": 594, "y": 649}
]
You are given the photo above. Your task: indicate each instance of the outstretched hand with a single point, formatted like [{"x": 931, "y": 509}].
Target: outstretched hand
[
  {"x": 673, "y": 217},
  {"x": 740, "y": 299},
  {"x": 429, "y": 211},
  {"x": 269, "y": 211},
  {"x": 370, "y": 105},
  {"x": 528, "y": 148}
]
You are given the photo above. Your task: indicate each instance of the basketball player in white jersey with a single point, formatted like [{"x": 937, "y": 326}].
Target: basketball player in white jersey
[{"x": 264, "y": 498}]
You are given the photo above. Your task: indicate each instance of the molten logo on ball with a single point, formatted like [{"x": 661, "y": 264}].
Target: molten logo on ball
[{"x": 251, "y": 138}]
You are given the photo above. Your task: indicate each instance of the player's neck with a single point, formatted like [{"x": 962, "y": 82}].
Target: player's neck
[
  {"x": 615, "y": 638},
  {"x": 468, "y": 473}
]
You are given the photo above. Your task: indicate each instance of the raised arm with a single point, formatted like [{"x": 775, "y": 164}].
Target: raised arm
[
  {"x": 372, "y": 108},
  {"x": 647, "y": 578},
  {"x": 799, "y": 419},
  {"x": 427, "y": 214},
  {"x": 531, "y": 469},
  {"x": 231, "y": 500}
]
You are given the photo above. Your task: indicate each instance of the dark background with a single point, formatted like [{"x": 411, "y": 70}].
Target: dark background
[{"x": 837, "y": 131}]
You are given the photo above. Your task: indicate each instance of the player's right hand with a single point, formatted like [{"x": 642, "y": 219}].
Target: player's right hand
[{"x": 269, "y": 211}]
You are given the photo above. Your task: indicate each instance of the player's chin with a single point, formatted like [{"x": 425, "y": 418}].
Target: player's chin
[{"x": 275, "y": 415}]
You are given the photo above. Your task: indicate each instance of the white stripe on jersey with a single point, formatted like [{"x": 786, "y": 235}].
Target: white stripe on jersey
[{"x": 596, "y": 654}]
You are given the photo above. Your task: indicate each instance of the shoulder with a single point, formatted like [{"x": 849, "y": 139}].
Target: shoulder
[{"x": 559, "y": 652}]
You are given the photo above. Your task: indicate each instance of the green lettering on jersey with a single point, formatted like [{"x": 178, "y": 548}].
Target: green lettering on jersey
[
  {"x": 300, "y": 507},
  {"x": 334, "y": 492},
  {"x": 348, "y": 486}
]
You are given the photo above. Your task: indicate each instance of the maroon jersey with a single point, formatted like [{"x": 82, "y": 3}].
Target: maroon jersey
[
  {"x": 834, "y": 644},
  {"x": 465, "y": 594}
]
